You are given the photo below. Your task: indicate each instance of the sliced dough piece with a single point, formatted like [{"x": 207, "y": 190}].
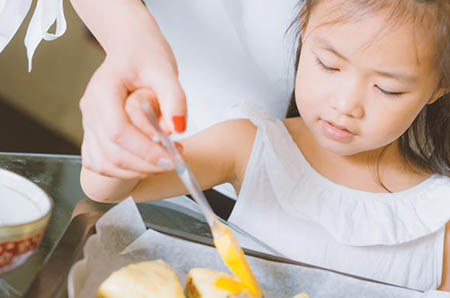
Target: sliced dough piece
[
  {"x": 201, "y": 283},
  {"x": 152, "y": 279}
]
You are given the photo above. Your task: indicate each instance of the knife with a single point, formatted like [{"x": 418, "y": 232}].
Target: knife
[
  {"x": 224, "y": 240},
  {"x": 261, "y": 255}
]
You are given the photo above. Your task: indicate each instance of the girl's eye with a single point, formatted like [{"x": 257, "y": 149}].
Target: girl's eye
[
  {"x": 388, "y": 92},
  {"x": 326, "y": 67}
]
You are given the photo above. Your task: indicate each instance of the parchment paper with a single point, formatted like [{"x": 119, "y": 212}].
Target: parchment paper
[{"x": 122, "y": 239}]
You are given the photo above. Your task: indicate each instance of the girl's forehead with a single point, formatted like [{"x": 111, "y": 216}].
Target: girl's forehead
[{"x": 373, "y": 35}]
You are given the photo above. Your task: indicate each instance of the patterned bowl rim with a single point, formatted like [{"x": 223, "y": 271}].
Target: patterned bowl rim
[{"x": 43, "y": 194}]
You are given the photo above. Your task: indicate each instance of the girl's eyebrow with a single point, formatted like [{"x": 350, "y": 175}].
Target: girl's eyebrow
[
  {"x": 326, "y": 45},
  {"x": 397, "y": 76}
]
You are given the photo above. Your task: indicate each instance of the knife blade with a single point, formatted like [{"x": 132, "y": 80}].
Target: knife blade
[
  {"x": 257, "y": 254},
  {"x": 224, "y": 240}
]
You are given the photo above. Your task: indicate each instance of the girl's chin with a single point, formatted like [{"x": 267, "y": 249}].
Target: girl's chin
[
  {"x": 341, "y": 149},
  {"x": 346, "y": 147}
]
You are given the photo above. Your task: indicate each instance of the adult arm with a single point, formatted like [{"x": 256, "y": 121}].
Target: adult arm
[{"x": 137, "y": 56}]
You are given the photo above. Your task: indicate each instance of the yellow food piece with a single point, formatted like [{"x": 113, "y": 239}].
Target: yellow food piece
[
  {"x": 234, "y": 258},
  {"x": 206, "y": 283},
  {"x": 153, "y": 279},
  {"x": 301, "y": 295},
  {"x": 229, "y": 285}
]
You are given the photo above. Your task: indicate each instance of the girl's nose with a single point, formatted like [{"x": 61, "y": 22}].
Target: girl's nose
[{"x": 349, "y": 101}]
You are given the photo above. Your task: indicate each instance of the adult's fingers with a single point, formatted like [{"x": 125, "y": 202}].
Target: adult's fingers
[
  {"x": 94, "y": 160},
  {"x": 172, "y": 101},
  {"x": 157, "y": 158},
  {"x": 138, "y": 117},
  {"x": 105, "y": 120}
]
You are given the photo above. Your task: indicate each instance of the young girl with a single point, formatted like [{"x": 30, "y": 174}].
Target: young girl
[{"x": 360, "y": 182}]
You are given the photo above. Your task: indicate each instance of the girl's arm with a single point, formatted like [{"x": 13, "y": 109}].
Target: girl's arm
[{"x": 216, "y": 155}]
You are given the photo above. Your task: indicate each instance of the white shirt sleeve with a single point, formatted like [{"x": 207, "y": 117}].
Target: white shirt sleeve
[{"x": 47, "y": 12}]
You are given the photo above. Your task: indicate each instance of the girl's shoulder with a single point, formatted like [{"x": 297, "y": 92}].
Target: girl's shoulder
[
  {"x": 220, "y": 150},
  {"x": 235, "y": 130},
  {"x": 230, "y": 136},
  {"x": 234, "y": 139},
  {"x": 239, "y": 135}
]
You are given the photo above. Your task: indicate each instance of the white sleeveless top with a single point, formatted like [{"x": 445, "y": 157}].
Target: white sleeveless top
[{"x": 396, "y": 238}]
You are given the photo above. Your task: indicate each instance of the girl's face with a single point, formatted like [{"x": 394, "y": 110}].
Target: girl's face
[{"x": 360, "y": 84}]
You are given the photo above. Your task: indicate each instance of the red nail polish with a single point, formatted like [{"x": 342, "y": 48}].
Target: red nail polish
[{"x": 179, "y": 123}]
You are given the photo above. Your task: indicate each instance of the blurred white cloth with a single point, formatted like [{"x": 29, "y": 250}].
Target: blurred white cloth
[
  {"x": 47, "y": 12},
  {"x": 436, "y": 294},
  {"x": 230, "y": 52}
]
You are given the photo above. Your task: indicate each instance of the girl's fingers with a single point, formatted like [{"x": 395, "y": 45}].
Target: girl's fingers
[
  {"x": 136, "y": 114},
  {"x": 172, "y": 102},
  {"x": 138, "y": 117}
]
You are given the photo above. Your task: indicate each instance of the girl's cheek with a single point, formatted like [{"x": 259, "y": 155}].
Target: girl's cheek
[{"x": 386, "y": 122}]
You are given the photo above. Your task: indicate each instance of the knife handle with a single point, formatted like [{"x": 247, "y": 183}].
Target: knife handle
[{"x": 54, "y": 272}]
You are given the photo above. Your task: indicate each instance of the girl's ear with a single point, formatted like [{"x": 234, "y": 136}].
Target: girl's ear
[{"x": 441, "y": 92}]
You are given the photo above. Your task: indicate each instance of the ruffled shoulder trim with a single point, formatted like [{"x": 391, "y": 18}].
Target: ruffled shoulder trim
[{"x": 351, "y": 216}]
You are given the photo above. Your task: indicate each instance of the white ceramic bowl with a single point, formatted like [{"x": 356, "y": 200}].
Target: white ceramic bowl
[{"x": 25, "y": 210}]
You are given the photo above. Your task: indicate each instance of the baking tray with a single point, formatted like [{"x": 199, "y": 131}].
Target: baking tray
[{"x": 51, "y": 280}]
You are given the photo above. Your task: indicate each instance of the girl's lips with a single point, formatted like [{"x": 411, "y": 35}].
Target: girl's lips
[{"x": 334, "y": 132}]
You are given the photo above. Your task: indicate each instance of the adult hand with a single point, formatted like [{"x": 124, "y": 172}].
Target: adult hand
[
  {"x": 112, "y": 145},
  {"x": 137, "y": 56}
]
